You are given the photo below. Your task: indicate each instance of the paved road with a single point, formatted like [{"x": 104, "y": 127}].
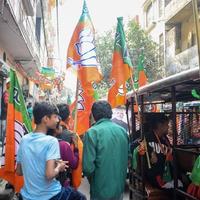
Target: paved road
[{"x": 84, "y": 188}]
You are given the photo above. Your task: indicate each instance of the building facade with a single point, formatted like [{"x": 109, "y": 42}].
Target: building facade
[
  {"x": 26, "y": 37},
  {"x": 170, "y": 23}
]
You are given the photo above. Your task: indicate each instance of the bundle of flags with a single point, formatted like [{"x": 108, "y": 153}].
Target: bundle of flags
[
  {"x": 82, "y": 56},
  {"x": 122, "y": 70},
  {"x": 18, "y": 124}
]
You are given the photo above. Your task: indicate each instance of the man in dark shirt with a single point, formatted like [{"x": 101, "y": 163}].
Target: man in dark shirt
[{"x": 158, "y": 148}]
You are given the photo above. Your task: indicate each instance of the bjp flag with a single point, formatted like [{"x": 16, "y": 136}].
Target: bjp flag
[
  {"x": 82, "y": 51},
  {"x": 18, "y": 124},
  {"x": 82, "y": 57},
  {"x": 121, "y": 68}
]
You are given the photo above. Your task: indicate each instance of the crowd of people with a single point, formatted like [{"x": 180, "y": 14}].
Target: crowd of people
[{"x": 47, "y": 156}]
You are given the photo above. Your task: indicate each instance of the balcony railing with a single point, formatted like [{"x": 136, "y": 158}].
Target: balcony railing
[
  {"x": 173, "y": 7},
  {"x": 185, "y": 60}
]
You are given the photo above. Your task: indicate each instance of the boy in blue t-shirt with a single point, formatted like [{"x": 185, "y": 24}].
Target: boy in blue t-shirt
[{"x": 38, "y": 158}]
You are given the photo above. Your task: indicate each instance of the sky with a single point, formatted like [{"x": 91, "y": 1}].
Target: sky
[{"x": 103, "y": 14}]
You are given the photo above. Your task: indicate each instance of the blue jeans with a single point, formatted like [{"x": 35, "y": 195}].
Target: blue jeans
[
  {"x": 115, "y": 198},
  {"x": 69, "y": 193}
]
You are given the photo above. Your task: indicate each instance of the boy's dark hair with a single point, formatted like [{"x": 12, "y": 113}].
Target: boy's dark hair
[
  {"x": 156, "y": 118},
  {"x": 101, "y": 109},
  {"x": 42, "y": 109},
  {"x": 63, "y": 111}
]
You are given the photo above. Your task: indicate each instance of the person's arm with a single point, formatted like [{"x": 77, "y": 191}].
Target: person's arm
[
  {"x": 89, "y": 153},
  {"x": 19, "y": 170},
  {"x": 53, "y": 168}
]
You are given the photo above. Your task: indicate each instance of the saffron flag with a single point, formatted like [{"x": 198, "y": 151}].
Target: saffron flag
[
  {"x": 83, "y": 105},
  {"x": 140, "y": 78},
  {"x": 82, "y": 56},
  {"x": 121, "y": 68},
  {"x": 82, "y": 51},
  {"x": 18, "y": 124}
]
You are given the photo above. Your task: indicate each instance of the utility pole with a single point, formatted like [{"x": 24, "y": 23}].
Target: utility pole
[{"x": 197, "y": 27}]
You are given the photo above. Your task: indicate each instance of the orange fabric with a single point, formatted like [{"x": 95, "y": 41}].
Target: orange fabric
[
  {"x": 82, "y": 56},
  {"x": 77, "y": 173},
  {"x": 142, "y": 78},
  {"x": 88, "y": 73},
  {"x": 8, "y": 171},
  {"x": 85, "y": 101},
  {"x": 12, "y": 178},
  {"x": 119, "y": 75}
]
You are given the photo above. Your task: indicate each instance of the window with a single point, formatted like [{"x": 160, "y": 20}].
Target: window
[
  {"x": 178, "y": 39},
  {"x": 149, "y": 15}
]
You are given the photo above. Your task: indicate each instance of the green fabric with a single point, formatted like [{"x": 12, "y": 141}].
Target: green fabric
[
  {"x": 48, "y": 71},
  {"x": 105, "y": 159},
  {"x": 134, "y": 158},
  {"x": 167, "y": 177},
  {"x": 85, "y": 17},
  {"x": 17, "y": 99},
  {"x": 120, "y": 42},
  {"x": 69, "y": 101},
  {"x": 140, "y": 67},
  {"x": 195, "y": 176}
]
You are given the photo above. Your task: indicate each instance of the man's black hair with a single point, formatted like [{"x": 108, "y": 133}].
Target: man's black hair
[
  {"x": 42, "y": 109},
  {"x": 63, "y": 111},
  {"x": 101, "y": 109},
  {"x": 157, "y": 118}
]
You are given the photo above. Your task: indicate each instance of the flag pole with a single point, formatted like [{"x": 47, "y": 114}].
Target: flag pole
[
  {"x": 139, "y": 116},
  {"x": 76, "y": 107}
]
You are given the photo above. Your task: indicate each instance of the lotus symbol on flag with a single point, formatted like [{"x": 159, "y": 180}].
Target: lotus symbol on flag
[{"x": 86, "y": 49}]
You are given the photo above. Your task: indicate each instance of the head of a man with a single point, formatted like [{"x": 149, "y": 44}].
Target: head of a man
[
  {"x": 101, "y": 109},
  {"x": 46, "y": 114},
  {"x": 64, "y": 111},
  {"x": 160, "y": 123}
]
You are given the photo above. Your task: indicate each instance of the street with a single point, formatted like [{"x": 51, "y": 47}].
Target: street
[{"x": 84, "y": 188}]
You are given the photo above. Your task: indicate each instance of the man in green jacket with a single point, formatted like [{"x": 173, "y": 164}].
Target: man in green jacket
[{"x": 105, "y": 155}]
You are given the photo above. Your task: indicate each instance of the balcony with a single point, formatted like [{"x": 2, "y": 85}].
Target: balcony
[
  {"x": 185, "y": 60},
  {"x": 17, "y": 36},
  {"x": 177, "y": 10}
]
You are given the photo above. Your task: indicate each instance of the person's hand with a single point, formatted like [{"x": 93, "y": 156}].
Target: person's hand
[
  {"x": 62, "y": 165},
  {"x": 154, "y": 158}
]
